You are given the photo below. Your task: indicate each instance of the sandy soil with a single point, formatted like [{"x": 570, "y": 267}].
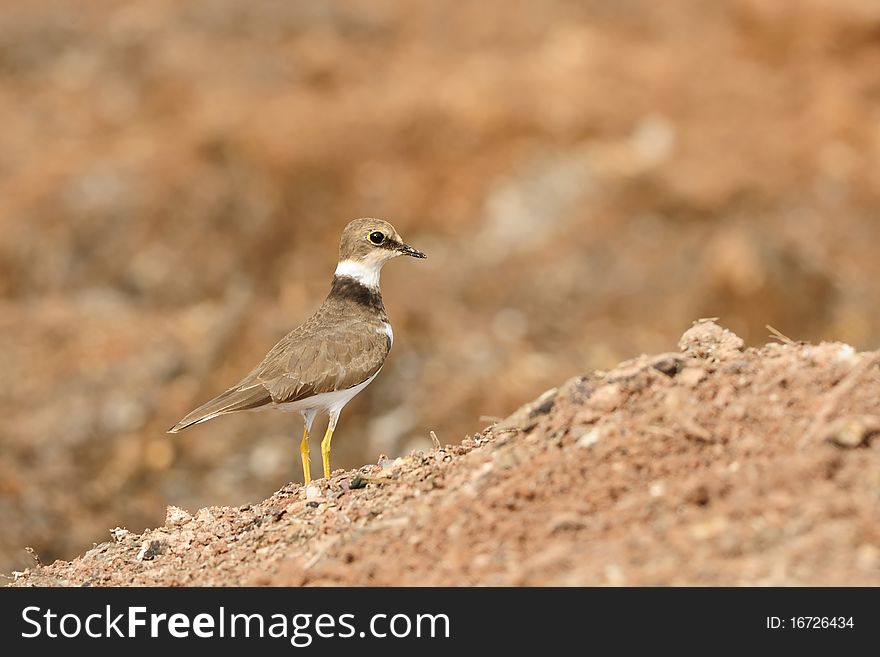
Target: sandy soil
[{"x": 716, "y": 464}]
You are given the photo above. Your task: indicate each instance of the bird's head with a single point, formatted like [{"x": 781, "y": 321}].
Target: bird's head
[{"x": 366, "y": 245}]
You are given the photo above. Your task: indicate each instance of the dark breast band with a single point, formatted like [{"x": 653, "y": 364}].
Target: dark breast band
[{"x": 349, "y": 289}]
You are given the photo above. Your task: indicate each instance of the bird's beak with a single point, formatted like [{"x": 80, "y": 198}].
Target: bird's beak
[{"x": 406, "y": 249}]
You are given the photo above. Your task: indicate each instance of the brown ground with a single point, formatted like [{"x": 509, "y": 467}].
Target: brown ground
[
  {"x": 713, "y": 465},
  {"x": 587, "y": 176}
]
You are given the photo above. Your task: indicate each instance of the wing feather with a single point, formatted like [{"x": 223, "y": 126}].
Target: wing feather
[{"x": 337, "y": 348}]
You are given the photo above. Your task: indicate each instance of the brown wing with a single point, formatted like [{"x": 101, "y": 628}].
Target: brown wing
[
  {"x": 238, "y": 398},
  {"x": 337, "y": 348}
]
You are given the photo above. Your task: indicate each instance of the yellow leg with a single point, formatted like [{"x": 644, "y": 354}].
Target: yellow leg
[
  {"x": 304, "y": 453},
  {"x": 325, "y": 450}
]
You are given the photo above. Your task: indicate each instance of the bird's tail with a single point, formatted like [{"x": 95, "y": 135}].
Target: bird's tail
[{"x": 234, "y": 399}]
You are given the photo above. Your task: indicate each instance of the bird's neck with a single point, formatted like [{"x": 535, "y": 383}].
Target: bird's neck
[{"x": 365, "y": 273}]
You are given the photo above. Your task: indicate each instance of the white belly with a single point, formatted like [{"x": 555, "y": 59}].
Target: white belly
[{"x": 329, "y": 402}]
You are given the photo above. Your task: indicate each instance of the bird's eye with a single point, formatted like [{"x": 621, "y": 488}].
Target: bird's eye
[{"x": 376, "y": 237}]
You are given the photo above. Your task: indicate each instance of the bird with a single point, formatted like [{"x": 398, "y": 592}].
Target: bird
[{"x": 322, "y": 364}]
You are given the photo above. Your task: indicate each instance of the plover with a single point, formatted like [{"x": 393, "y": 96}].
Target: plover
[{"x": 322, "y": 364}]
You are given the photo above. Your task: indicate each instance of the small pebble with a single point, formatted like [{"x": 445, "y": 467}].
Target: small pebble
[
  {"x": 852, "y": 431},
  {"x": 590, "y": 438},
  {"x": 176, "y": 516},
  {"x": 119, "y": 534},
  {"x": 150, "y": 549},
  {"x": 670, "y": 366}
]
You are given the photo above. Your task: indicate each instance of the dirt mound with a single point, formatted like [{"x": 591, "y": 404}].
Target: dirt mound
[{"x": 713, "y": 465}]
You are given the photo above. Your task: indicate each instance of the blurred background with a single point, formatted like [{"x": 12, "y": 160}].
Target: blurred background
[{"x": 587, "y": 177}]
